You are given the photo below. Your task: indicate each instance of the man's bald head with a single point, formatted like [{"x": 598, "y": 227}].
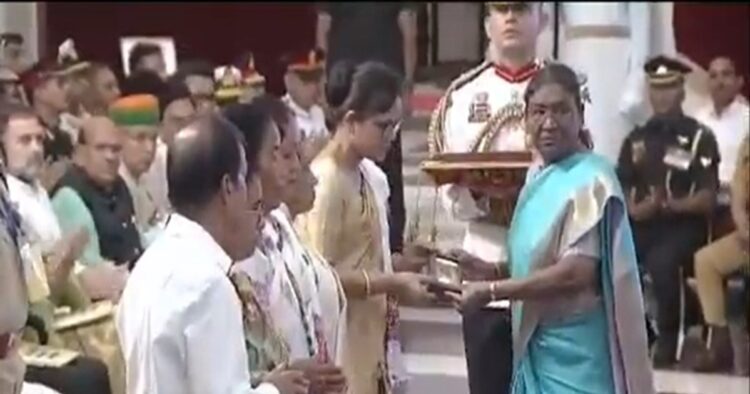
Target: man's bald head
[
  {"x": 199, "y": 158},
  {"x": 723, "y": 81},
  {"x": 95, "y": 125},
  {"x": 100, "y": 149}
]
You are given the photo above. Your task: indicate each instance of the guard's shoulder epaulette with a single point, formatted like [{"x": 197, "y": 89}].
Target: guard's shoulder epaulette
[
  {"x": 467, "y": 77},
  {"x": 435, "y": 139}
]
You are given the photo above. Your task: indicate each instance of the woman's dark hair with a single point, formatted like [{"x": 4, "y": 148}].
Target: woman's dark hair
[
  {"x": 367, "y": 89},
  {"x": 253, "y": 121},
  {"x": 558, "y": 74},
  {"x": 281, "y": 115},
  {"x": 140, "y": 51},
  {"x": 196, "y": 167}
]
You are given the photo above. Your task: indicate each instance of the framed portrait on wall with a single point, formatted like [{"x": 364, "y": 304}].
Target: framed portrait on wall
[{"x": 166, "y": 44}]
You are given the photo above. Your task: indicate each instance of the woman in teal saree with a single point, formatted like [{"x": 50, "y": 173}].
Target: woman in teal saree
[{"x": 572, "y": 278}]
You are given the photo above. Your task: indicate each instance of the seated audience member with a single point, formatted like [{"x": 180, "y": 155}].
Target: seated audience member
[
  {"x": 102, "y": 89},
  {"x": 92, "y": 195},
  {"x": 10, "y": 87},
  {"x": 21, "y": 132},
  {"x": 721, "y": 258},
  {"x": 671, "y": 188},
  {"x": 304, "y": 86},
  {"x": 46, "y": 92},
  {"x": 49, "y": 254},
  {"x": 176, "y": 110},
  {"x": 22, "y": 138},
  {"x": 73, "y": 72},
  {"x": 137, "y": 116},
  {"x": 144, "y": 56},
  {"x": 14, "y": 306},
  {"x": 198, "y": 76},
  {"x": 728, "y": 116},
  {"x": 180, "y": 310}
]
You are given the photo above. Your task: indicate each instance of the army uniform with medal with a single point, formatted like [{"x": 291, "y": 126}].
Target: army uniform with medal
[
  {"x": 482, "y": 111},
  {"x": 675, "y": 156}
]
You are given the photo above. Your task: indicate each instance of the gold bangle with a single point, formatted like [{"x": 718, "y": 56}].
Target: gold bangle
[
  {"x": 493, "y": 291},
  {"x": 367, "y": 283}
]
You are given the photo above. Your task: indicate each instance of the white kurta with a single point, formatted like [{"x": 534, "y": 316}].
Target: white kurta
[
  {"x": 609, "y": 43},
  {"x": 37, "y": 216},
  {"x": 179, "y": 320},
  {"x": 729, "y": 128},
  {"x": 155, "y": 179},
  {"x": 482, "y": 238},
  {"x": 279, "y": 275},
  {"x": 329, "y": 308},
  {"x": 41, "y": 232},
  {"x": 143, "y": 203}
]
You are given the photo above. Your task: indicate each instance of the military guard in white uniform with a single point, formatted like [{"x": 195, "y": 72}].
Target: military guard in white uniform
[{"x": 482, "y": 111}]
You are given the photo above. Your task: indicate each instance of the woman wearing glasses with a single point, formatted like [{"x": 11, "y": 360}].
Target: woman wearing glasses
[{"x": 348, "y": 224}]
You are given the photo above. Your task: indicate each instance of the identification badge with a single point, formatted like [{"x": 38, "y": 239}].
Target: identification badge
[
  {"x": 638, "y": 151},
  {"x": 678, "y": 158},
  {"x": 479, "y": 109}
]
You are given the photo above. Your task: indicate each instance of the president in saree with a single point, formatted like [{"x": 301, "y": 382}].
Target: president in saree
[{"x": 576, "y": 303}]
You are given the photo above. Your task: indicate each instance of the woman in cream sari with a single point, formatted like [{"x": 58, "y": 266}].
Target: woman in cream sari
[
  {"x": 577, "y": 306},
  {"x": 348, "y": 224}
]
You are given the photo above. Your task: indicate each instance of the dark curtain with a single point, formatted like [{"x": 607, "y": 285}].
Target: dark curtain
[
  {"x": 706, "y": 30},
  {"x": 216, "y": 31}
]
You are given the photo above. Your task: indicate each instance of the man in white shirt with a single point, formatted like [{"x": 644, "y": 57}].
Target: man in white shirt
[
  {"x": 728, "y": 115},
  {"x": 180, "y": 319},
  {"x": 304, "y": 85}
]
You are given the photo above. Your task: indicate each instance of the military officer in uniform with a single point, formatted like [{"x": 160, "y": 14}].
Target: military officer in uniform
[
  {"x": 669, "y": 171},
  {"x": 303, "y": 80},
  {"x": 483, "y": 111}
]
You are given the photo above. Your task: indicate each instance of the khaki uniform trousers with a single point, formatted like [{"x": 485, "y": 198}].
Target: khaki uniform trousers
[{"x": 713, "y": 263}]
